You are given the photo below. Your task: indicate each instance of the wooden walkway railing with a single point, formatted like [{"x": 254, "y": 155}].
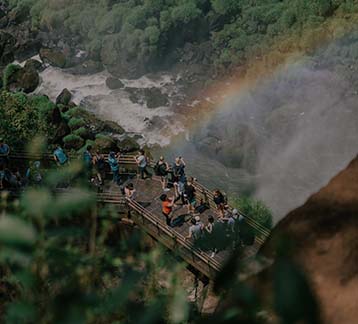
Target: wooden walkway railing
[{"x": 153, "y": 226}]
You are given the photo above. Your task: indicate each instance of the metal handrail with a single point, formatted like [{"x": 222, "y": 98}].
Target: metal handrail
[
  {"x": 178, "y": 237},
  {"x": 130, "y": 159}
]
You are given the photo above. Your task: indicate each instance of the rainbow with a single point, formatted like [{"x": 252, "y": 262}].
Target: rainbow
[{"x": 285, "y": 50}]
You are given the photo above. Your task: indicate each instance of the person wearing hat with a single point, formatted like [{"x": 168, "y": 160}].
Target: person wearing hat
[
  {"x": 195, "y": 229},
  {"x": 114, "y": 164},
  {"x": 4, "y": 152}
]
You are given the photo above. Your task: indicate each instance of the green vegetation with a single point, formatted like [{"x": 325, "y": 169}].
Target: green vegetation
[
  {"x": 8, "y": 72},
  {"x": 22, "y": 118},
  {"x": 76, "y": 122},
  {"x": 147, "y": 31},
  {"x": 254, "y": 209}
]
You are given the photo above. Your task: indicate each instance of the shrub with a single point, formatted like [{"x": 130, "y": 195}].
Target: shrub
[
  {"x": 75, "y": 123},
  {"x": 73, "y": 141},
  {"x": 82, "y": 132},
  {"x": 254, "y": 209},
  {"x": 8, "y": 72}
]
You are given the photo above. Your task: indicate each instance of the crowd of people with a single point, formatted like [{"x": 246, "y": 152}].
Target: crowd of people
[{"x": 228, "y": 229}]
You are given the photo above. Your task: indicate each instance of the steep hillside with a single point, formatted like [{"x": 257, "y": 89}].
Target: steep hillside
[{"x": 324, "y": 233}]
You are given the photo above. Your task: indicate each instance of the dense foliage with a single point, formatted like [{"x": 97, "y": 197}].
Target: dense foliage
[
  {"x": 152, "y": 31},
  {"x": 24, "y": 117}
]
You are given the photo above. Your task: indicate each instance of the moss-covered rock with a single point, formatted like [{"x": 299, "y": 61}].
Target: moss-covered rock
[
  {"x": 85, "y": 133},
  {"x": 53, "y": 57},
  {"x": 105, "y": 143},
  {"x": 64, "y": 97},
  {"x": 76, "y": 122},
  {"x": 73, "y": 141},
  {"x": 112, "y": 127},
  {"x": 128, "y": 144},
  {"x": 16, "y": 78}
]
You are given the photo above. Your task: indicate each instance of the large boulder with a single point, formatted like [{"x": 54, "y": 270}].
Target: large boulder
[
  {"x": 114, "y": 83},
  {"x": 64, "y": 97},
  {"x": 112, "y": 127},
  {"x": 128, "y": 144},
  {"x": 53, "y": 57},
  {"x": 155, "y": 98},
  {"x": 21, "y": 79},
  {"x": 34, "y": 64},
  {"x": 105, "y": 143}
]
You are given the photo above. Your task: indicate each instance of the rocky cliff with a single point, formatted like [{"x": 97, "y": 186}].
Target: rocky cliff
[{"x": 324, "y": 237}]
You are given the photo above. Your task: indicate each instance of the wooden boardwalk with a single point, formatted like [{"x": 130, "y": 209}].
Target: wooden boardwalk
[{"x": 146, "y": 213}]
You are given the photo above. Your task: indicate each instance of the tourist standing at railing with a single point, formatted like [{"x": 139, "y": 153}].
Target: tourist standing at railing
[
  {"x": 88, "y": 161},
  {"x": 210, "y": 240},
  {"x": 161, "y": 169},
  {"x": 167, "y": 208},
  {"x": 142, "y": 163},
  {"x": 4, "y": 153},
  {"x": 220, "y": 202},
  {"x": 114, "y": 165},
  {"x": 189, "y": 195},
  {"x": 100, "y": 166},
  {"x": 179, "y": 178},
  {"x": 60, "y": 156},
  {"x": 195, "y": 230}
]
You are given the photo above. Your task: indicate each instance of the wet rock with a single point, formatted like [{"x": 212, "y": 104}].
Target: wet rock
[
  {"x": 64, "y": 97},
  {"x": 7, "y": 45},
  {"x": 87, "y": 67},
  {"x": 53, "y": 57},
  {"x": 128, "y": 145},
  {"x": 114, "y": 83},
  {"x": 135, "y": 95},
  {"x": 105, "y": 143},
  {"x": 112, "y": 127},
  {"x": 33, "y": 64},
  {"x": 155, "y": 98}
]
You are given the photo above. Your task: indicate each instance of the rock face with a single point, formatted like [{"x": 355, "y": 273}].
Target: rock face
[
  {"x": 53, "y": 57},
  {"x": 64, "y": 97},
  {"x": 114, "y": 83},
  {"x": 324, "y": 233}
]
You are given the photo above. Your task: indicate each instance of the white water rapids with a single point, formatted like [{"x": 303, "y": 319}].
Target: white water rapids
[{"x": 155, "y": 125}]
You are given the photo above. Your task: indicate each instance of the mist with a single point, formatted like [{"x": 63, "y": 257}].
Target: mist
[{"x": 291, "y": 133}]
